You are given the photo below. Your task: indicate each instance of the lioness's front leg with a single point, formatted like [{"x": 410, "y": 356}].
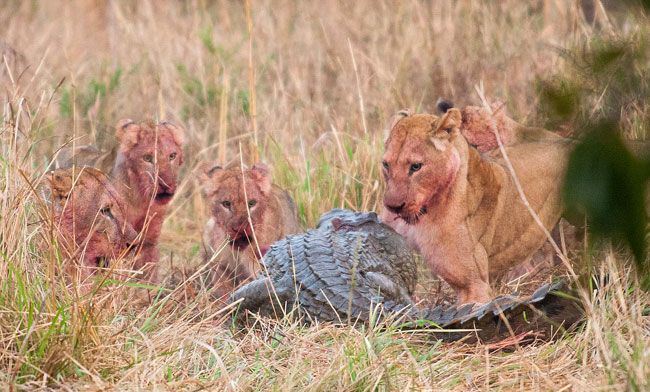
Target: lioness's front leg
[{"x": 463, "y": 263}]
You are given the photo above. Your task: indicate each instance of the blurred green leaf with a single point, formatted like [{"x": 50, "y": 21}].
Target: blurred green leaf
[
  {"x": 560, "y": 99},
  {"x": 607, "y": 183},
  {"x": 605, "y": 57},
  {"x": 206, "y": 38},
  {"x": 245, "y": 103}
]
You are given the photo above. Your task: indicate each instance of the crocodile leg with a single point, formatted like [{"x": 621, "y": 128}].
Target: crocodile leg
[{"x": 259, "y": 296}]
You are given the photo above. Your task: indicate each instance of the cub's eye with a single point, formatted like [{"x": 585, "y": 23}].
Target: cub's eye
[
  {"x": 106, "y": 211},
  {"x": 226, "y": 203},
  {"x": 415, "y": 167},
  {"x": 385, "y": 165},
  {"x": 172, "y": 156},
  {"x": 147, "y": 158},
  {"x": 251, "y": 203}
]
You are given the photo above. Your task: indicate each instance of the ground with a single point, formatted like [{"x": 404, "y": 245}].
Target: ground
[{"x": 312, "y": 98}]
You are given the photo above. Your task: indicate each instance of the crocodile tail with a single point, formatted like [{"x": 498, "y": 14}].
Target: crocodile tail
[{"x": 549, "y": 310}]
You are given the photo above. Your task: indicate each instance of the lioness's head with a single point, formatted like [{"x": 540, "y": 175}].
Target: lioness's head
[
  {"x": 420, "y": 162},
  {"x": 152, "y": 154},
  {"x": 230, "y": 203},
  {"x": 88, "y": 213}
]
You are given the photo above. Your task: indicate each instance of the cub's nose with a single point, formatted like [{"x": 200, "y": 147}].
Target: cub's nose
[
  {"x": 238, "y": 228},
  {"x": 166, "y": 187},
  {"x": 130, "y": 237},
  {"x": 395, "y": 209}
]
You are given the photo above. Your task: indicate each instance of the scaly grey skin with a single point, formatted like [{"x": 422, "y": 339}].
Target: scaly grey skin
[{"x": 350, "y": 263}]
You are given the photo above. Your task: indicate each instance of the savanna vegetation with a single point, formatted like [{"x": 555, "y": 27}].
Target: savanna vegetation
[{"x": 309, "y": 87}]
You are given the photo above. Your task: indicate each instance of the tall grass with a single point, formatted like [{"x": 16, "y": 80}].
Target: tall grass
[{"x": 326, "y": 78}]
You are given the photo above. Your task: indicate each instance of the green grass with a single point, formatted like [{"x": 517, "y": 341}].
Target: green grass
[{"x": 188, "y": 61}]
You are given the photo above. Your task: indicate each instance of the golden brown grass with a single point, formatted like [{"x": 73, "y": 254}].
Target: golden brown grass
[{"x": 326, "y": 77}]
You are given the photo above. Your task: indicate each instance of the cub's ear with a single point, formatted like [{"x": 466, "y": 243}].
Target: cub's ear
[
  {"x": 208, "y": 174},
  {"x": 178, "y": 133},
  {"x": 127, "y": 132},
  {"x": 261, "y": 174},
  {"x": 60, "y": 182}
]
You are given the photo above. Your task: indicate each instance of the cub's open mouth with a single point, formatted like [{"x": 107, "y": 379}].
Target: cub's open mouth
[
  {"x": 101, "y": 262},
  {"x": 240, "y": 243},
  {"x": 164, "y": 197}
]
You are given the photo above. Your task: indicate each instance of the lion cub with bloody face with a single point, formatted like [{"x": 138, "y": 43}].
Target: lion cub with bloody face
[
  {"x": 88, "y": 216},
  {"x": 146, "y": 174},
  {"x": 238, "y": 198},
  {"x": 462, "y": 210}
]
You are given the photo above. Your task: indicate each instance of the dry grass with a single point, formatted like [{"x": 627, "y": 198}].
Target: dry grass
[{"x": 327, "y": 76}]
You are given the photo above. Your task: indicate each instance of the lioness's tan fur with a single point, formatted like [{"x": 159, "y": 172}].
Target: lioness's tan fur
[{"x": 461, "y": 209}]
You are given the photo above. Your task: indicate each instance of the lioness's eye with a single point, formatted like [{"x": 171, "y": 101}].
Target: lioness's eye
[
  {"x": 385, "y": 165},
  {"x": 415, "y": 167},
  {"x": 147, "y": 158},
  {"x": 172, "y": 156},
  {"x": 252, "y": 203},
  {"x": 226, "y": 203}
]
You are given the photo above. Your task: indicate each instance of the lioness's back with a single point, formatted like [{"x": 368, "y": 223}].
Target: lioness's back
[{"x": 540, "y": 168}]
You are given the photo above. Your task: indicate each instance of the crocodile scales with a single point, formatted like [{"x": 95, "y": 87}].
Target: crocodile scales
[{"x": 341, "y": 270}]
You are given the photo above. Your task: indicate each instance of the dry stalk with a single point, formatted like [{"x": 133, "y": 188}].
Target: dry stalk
[
  {"x": 520, "y": 190},
  {"x": 251, "y": 82}
]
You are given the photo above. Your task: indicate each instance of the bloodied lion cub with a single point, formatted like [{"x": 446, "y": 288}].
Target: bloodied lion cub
[
  {"x": 88, "y": 216},
  {"x": 478, "y": 126},
  {"x": 234, "y": 194},
  {"x": 146, "y": 171},
  {"x": 463, "y": 210}
]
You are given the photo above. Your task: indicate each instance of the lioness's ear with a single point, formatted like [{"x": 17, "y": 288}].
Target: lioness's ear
[
  {"x": 127, "y": 132},
  {"x": 448, "y": 122},
  {"x": 261, "y": 174},
  {"x": 60, "y": 182},
  {"x": 444, "y": 128},
  {"x": 397, "y": 117},
  {"x": 394, "y": 120},
  {"x": 178, "y": 133}
]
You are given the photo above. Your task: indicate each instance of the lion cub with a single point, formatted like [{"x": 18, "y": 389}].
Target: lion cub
[
  {"x": 462, "y": 210},
  {"x": 145, "y": 173},
  {"x": 238, "y": 198},
  {"x": 89, "y": 219},
  {"x": 478, "y": 123}
]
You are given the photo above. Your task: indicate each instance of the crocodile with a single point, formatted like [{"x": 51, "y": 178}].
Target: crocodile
[{"x": 354, "y": 269}]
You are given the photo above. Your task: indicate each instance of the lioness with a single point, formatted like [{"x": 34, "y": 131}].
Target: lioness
[
  {"x": 145, "y": 172},
  {"x": 462, "y": 210},
  {"x": 89, "y": 219},
  {"x": 238, "y": 198}
]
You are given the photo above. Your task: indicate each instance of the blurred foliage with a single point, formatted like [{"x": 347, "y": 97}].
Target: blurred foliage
[
  {"x": 92, "y": 96},
  {"x": 602, "y": 96},
  {"x": 202, "y": 95}
]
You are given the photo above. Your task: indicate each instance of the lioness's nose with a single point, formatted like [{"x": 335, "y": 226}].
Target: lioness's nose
[{"x": 395, "y": 209}]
